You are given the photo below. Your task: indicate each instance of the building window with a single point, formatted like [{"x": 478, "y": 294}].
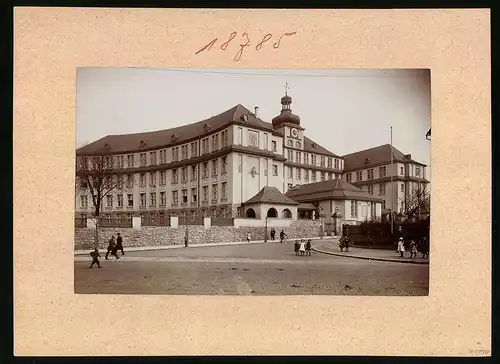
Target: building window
[
  {"x": 194, "y": 149},
  {"x": 83, "y": 184},
  {"x": 194, "y": 195},
  {"x": 329, "y": 161},
  {"x": 306, "y": 158},
  {"x": 290, "y": 143},
  {"x": 215, "y": 142},
  {"x": 354, "y": 209},
  {"x": 266, "y": 141},
  {"x": 313, "y": 176},
  {"x": 142, "y": 179},
  {"x": 163, "y": 199},
  {"x": 184, "y": 196},
  {"x": 184, "y": 152},
  {"x": 130, "y": 161},
  {"x": 152, "y": 199},
  {"x": 382, "y": 188},
  {"x": 298, "y": 157},
  {"x": 152, "y": 179},
  {"x": 290, "y": 155},
  {"x": 215, "y": 164},
  {"x": 274, "y": 146},
  {"x": 119, "y": 161},
  {"x": 214, "y": 192},
  {"x": 382, "y": 171},
  {"x": 306, "y": 175},
  {"x": 205, "y": 193},
  {"x": 175, "y": 176},
  {"x": 290, "y": 172},
  {"x": 402, "y": 187},
  {"x": 223, "y": 190},
  {"x": 83, "y": 201},
  {"x": 175, "y": 154},
  {"x": 298, "y": 145},
  {"x": 337, "y": 164},
  {"x": 275, "y": 170},
  {"x": 130, "y": 181},
  {"x": 370, "y": 173},
  {"x": 120, "y": 200},
  {"x": 370, "y": 189},
  {"x": 175, "y": 197},
  {"x": 224, "y": 165},
  {"x": 109, "y": 201},
  {"x": 322, "y": 161},
  {"x": 130, "y": 200},
  {"x": 205, "y": 169},
  {"x": 142, "y": 159},
  {"x": 224, "y": 139},
  {"x": 184, "y": 174},
  {"x": 240, "y": 136},
  {"x": 359, "y": 176},
  {"x": 417, "y": 171},
  {"x": 373, "y": 211},
  {"x": 193, "y": 173},
  {"x": 322, "y": 175},
  {"x": 143, "y": 199},
  {"x": 401, "y": 171},
  {"x": 383, "y": 205},
  {"x": 313, "y": 160},
  {"x": 298, "y": 173},
  {"x": 152, "y": 158},
  {"x": 163, "y": 177},
  {"x": 163, "y": 156}
]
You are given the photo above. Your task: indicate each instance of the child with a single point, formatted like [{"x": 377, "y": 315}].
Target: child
[
  {"x": 308, "y": 247},
  {"x": 401, "y": 246},
  {"x": 296, "y": 247},
  {"x": 95, "y": 258},
  {"x": 302, "y": 248},
  {"x": 413, "y": 249},
  {"x": 248, "y": 237}
]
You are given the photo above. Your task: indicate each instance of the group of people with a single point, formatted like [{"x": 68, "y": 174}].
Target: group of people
[
  {"x": 302, "y": 248},
  {"x": 113, "y": 248},
  {"x": 421, "y": 246},
  {"x": 283, "y": 236}
]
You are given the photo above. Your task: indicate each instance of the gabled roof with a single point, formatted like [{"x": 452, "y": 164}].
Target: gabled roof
[
  {"x": 161, "y": 138},
  {"x": 311, "y": 146},
  {"x": 333, "y": 189},
  {"x": 375, "y": 156},
  {"x": 271, "y": 195}
]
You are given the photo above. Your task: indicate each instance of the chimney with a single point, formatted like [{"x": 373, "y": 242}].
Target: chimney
[{"x": 256, "y": 110}]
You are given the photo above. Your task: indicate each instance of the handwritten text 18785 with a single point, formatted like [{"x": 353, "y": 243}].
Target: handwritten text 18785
[{"x": 246, "y": 43}]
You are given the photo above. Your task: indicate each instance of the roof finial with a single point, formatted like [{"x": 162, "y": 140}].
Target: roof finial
[{"x": 286, "y": 88}]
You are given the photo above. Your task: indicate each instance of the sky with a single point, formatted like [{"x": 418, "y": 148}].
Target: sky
[{"x": 343, "y": 110}]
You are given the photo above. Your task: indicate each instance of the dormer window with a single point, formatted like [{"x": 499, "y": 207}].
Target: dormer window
[
  {"x": 244, "y": 117},
  {"x": 208, "y": 127},
  {"x": 174, "y": 138},
  {"x": 367, "y": 160},
  {"x": 314, "y": 145},
  {"x": 143, "y": 144}
]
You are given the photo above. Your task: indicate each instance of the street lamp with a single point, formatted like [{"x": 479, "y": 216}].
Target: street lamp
[
  {"x": 321, "y": 228},
  {"x": 265, "y": 232}
]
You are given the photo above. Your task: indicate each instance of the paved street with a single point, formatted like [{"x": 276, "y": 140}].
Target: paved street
[{"x": 255, "y": 269}]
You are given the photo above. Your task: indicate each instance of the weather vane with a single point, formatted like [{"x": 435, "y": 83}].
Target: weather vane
[{"x": 286, "y": 88}]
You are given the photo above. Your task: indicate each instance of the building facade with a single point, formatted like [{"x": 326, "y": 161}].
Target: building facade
[{"x": 208, "y": 168}]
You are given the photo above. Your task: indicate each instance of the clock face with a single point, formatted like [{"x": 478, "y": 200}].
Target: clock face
[{"x": 295, "y": 133}]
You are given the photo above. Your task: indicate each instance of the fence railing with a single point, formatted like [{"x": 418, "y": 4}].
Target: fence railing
[
  {"x": 198, "y": 220},
  {"x": 80, "y": 222},
  {"x": 115, "y": 222},
  {"x": 220, "y": 221},
  {"x": 156, "y": 221}
]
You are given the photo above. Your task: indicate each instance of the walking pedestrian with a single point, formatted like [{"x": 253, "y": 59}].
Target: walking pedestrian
[
  {"x": 413, "y": 249},
  {"x": 401, "y": 247},
  {"x": 273, "y": 234},
  {"x": 425, "y": 247},
  {"x": 308, "y": 247},
  {"x": 111, "y": 247},
  {"x": 248, "y": 237},
  {"x": 302, "y": 248},
  {"x": 119, "y": 243},
  {"x": 95, "y": 257},
  {"x": 296, "y": 247},
  {"x": 282, "y": 236}
]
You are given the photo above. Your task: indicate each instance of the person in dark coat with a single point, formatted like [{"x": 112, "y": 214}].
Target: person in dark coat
[
  {"x": 282, "y": 236},
  {"x": 95, "y": 258},
  {"x": 111, "y": 248},
  {"x": 425, "y": 247},
  {"x": 273, "y": 234},
  {"x": 308, "y": 247},
  {"x": 296, "y": 247},
  {"x": 119, "y": 244}
]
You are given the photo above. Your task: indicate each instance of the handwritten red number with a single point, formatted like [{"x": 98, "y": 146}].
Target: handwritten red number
[
  {"x": 209, "y": 45},
  {"x": 225, "y": 44},
  {"x": 277, "y": 44},
  {"x": 265, "y": 39},
  {"x": 242, "y": 47}
]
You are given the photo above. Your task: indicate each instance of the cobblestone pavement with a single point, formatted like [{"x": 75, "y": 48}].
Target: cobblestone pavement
[{"x": 256, "y": 269}]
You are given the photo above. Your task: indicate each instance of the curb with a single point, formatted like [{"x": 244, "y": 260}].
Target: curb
[
  {"x": 369, "y": 258},
  {"x": 179, "y": 246}
]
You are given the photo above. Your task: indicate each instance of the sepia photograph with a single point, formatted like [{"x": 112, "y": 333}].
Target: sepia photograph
[{"x": 252, "y": 182}]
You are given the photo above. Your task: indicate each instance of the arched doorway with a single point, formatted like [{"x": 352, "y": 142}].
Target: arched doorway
[
  {"x": 272, "y": 212},
  {"x": 286, "y": 214},
  {"x": 250, "y": 213}
]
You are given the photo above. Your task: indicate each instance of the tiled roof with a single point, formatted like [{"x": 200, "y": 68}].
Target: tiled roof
[
  {"x": 161, "y": 138},
  {"x": 311, "y": 146},
  {"x": 333, "y": 189},
  {"x": 374, "y": 156},
  {"x": 271, "y": 195}
]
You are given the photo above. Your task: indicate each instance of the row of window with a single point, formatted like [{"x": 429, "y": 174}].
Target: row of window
[
  {"x": 183, "y": 197},
  {"x": 306, "y": 172},
  {"x": 382, "y": 188},
  {"x": 354, "y": 209},
  {"x": 297, "y": 158},
  {"x": 382, "y": 172}
]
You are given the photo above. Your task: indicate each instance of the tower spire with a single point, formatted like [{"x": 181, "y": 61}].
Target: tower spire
[{"x": 286, "y": 88}]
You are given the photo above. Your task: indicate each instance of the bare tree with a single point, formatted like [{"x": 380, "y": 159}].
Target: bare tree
[{"x": 415, "y": 201}]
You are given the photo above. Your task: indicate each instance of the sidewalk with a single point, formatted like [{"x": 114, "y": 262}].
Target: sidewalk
[
  {"x": 177, "y": 246},
  {"x": 332, "y": 248}
]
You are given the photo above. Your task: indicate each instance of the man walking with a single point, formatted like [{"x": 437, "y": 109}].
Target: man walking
[
  {"x": 95, "y": 258},
  {"x": 111, "y": 248},
  {"x": 282, "y": 236},
  {"x": 119, "y": 244}
]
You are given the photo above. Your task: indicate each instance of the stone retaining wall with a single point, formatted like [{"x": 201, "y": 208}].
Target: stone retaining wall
[{"x": 162, "y": 235}]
